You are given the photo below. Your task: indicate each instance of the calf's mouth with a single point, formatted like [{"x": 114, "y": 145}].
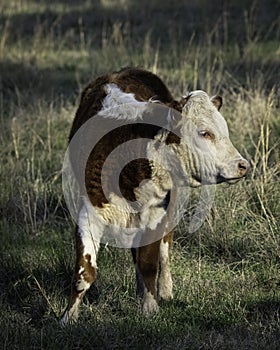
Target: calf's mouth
[{"x": 230, "y": 181}]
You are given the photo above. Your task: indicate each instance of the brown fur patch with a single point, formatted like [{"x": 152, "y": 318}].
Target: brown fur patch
[{"x": 83, "y": 261}]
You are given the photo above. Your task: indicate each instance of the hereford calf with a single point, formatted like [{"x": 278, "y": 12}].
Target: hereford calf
[{"x": 188, "y": 146}]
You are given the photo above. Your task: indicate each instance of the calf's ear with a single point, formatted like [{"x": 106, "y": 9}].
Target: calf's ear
[
  {"x": 217, "y": 101},
  {"x": 184, "y": 100}
]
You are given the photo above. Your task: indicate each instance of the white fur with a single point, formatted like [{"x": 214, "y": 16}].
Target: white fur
[
  {"x": 118, "y": 223},
  {"x": 120, "y": 105},
  {"x": 90, "y": 231},
  {"x": 165, "y": 280},
  {"x": 150, "y": 305},
  {"x": 149, "y": 195},
  {"x": 81, "y": 284},
  {"x": 82, "y": 269}
]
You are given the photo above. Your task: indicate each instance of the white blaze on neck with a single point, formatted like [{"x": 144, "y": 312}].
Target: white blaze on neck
[{"x": 121, "y": 105}]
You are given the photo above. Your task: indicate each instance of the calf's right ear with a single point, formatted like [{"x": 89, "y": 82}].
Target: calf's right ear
[
  {"x": 184, "y": 100},
  {"x": 217, "y": 101}
]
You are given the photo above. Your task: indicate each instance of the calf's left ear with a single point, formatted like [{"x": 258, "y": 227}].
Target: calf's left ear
[{"x": 217, "y": 101}]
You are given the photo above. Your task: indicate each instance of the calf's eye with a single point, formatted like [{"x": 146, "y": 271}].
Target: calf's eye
[{"x": 206, "y": 135}]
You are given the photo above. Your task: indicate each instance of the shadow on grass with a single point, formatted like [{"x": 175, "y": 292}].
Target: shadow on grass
[
  {"x": 27, "y": 83},
  {"x": 95, "y": 23},
  {"x": 264, "y": 312},
  {"x": 198, "y": 16}
]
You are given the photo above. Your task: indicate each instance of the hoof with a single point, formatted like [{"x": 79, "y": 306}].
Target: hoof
[{"x": 150, "y": 305}]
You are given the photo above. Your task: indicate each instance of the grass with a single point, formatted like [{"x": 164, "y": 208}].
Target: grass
[{"x": 226, "y": 274}]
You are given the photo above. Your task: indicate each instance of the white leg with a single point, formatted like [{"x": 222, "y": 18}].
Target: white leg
[
  {"x": 86, "y": 266},
  {"x": 165, "y": 284},
  {"x": 150, "y": 305}
]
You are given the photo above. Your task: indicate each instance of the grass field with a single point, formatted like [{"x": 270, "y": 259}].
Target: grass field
[{"x": 226, "y": 274}]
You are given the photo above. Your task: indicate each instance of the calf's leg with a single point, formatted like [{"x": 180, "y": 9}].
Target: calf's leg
[
  {"x": 85, "y": 268},
  {"x": 165, "y": 284},
  {"x": 139, "y": 279},
  {"x": 148, "y": 263}
]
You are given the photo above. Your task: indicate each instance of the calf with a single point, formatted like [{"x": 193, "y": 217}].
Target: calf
[{"x": 174, "y": 143}]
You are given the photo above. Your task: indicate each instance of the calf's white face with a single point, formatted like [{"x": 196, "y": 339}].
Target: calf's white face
[{"x": 210, "y": 157}]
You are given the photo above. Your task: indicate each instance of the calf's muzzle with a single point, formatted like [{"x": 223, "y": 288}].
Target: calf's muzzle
[{"x": 243, "y": 167}]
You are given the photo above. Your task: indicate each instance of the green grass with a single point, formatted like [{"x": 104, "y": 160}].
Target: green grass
[
  {"x": 226, "y": 274},
  {"x": 230, "y": 305}
]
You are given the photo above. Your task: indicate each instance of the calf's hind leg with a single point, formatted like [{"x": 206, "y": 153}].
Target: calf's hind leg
[{"x": 85, "y": 272}]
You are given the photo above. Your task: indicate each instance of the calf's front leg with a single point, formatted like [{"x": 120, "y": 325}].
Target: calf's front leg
[
  {"x": 165, "y": 284},
  {"x": 148, "y": 264}
]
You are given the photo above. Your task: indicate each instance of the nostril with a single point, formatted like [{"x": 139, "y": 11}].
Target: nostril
[{"x": 243, "y": 166}]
